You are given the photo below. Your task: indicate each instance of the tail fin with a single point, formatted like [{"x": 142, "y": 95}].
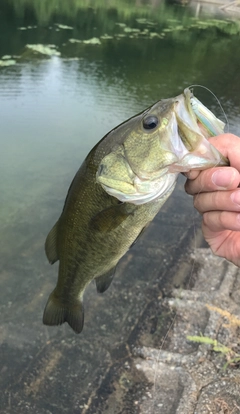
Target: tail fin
[{"x": 56, "y": 313}]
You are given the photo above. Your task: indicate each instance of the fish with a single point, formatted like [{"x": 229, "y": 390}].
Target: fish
[{"x": 118, "y": 190}]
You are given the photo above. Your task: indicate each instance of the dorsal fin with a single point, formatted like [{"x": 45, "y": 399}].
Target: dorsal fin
[{"x": 51, "y": 244}]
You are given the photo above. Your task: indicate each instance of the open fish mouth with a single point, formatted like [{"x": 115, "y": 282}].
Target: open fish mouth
[
  {"x": 196, "y": 123},
  {"x": 166, "y": 139}
]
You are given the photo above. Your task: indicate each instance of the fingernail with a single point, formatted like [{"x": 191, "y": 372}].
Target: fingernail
[
  {"x": 222, "y": 178},
  {"x": 235, "y": 197}
]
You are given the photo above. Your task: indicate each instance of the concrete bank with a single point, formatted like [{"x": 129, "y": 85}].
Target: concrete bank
[
  {"x": 134, "y": 355},
  {"x": 201, "y": 375},
  {"x": 223, "y": 8}
]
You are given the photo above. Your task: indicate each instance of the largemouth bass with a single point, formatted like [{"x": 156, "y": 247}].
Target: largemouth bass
[{"x": 116, "y": 193}]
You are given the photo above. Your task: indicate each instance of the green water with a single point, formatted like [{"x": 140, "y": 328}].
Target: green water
[{"x": 52, "y": 111}]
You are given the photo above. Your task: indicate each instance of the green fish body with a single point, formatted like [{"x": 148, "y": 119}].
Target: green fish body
[{"x": 116, "y": 193}]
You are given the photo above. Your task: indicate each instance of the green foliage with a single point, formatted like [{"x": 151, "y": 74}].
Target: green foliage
[
  {"x": 45, "y": 9},
  {"x": 232, "y": 357},
  {"x": 170, "y": 19},
  {"x": 217, "y": 346}
]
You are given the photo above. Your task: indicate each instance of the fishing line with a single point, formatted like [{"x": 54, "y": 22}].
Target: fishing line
[
  {"x": 227, "y": 125},
  {"x": 157, "y": 360},
  {"x": 221, "y": 107},
  {"x": 218, "y": 101}
]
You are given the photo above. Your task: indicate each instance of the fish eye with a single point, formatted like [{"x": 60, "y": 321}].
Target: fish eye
[{"x": 150, "y": 122}]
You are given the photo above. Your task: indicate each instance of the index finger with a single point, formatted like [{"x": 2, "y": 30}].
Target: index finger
[
  {"x": 229, "y": 146},
  {"x": 218, "y": 178}
]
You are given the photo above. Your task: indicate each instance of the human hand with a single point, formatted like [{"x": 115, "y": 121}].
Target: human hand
[{"x": 217, "y": 197}]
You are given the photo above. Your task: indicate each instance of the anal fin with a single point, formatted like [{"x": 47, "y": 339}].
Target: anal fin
[{"x": 51, "y": 245}]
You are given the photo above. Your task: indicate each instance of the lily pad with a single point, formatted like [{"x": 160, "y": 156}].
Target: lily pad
[
  {"x": 180, "y": 27},
  {"x": 143, "y": 33},
  {"x": 75, "y": 41},
  {"x": 106, "y": 37},
  {"x": 153, "y": 34},
  {"x": 46, "y": 50},
  {"x": 173, "y": 21},
  {"x": 93, "y": 41},
  {"x": 63, "y": 26},
  {"x": 9, "y": 62},
  {"x": 120, "y": 36},
  {"x": 6, "y": 57},
  {"x": 131, "y": 30},
  {"x": 167, "y": 30},
  {"x": 121, "y": 24},
  {"x": 141, "y": 21},
  {"x": 151, "y": 23}
]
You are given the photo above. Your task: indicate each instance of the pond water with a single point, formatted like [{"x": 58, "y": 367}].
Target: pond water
[{"x": 53, "y": 109}]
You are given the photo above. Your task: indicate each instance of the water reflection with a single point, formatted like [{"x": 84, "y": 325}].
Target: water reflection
[{"x": 52, "y": 112}]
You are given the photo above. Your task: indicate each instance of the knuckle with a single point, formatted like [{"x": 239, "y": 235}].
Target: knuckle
[
  {"x": 196, "y": 201},
  {"x": 222, "y": 219},
  {"x": 188, "y": 187},
  {"x": 205, "y": 182},
  {"x": 216, "y": 199},
  {"x": 205, "y": 219}
]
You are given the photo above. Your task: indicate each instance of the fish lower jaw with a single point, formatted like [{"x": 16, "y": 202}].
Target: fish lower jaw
[{"x": 146, "y": 192}]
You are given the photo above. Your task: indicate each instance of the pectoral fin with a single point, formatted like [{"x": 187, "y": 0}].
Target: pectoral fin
[
  {"x": 103, "y": 282},
  {"x": 51, "y": 245},
  {"x": 138, "y": 237},
  {"x": 111, "y": 217}
]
